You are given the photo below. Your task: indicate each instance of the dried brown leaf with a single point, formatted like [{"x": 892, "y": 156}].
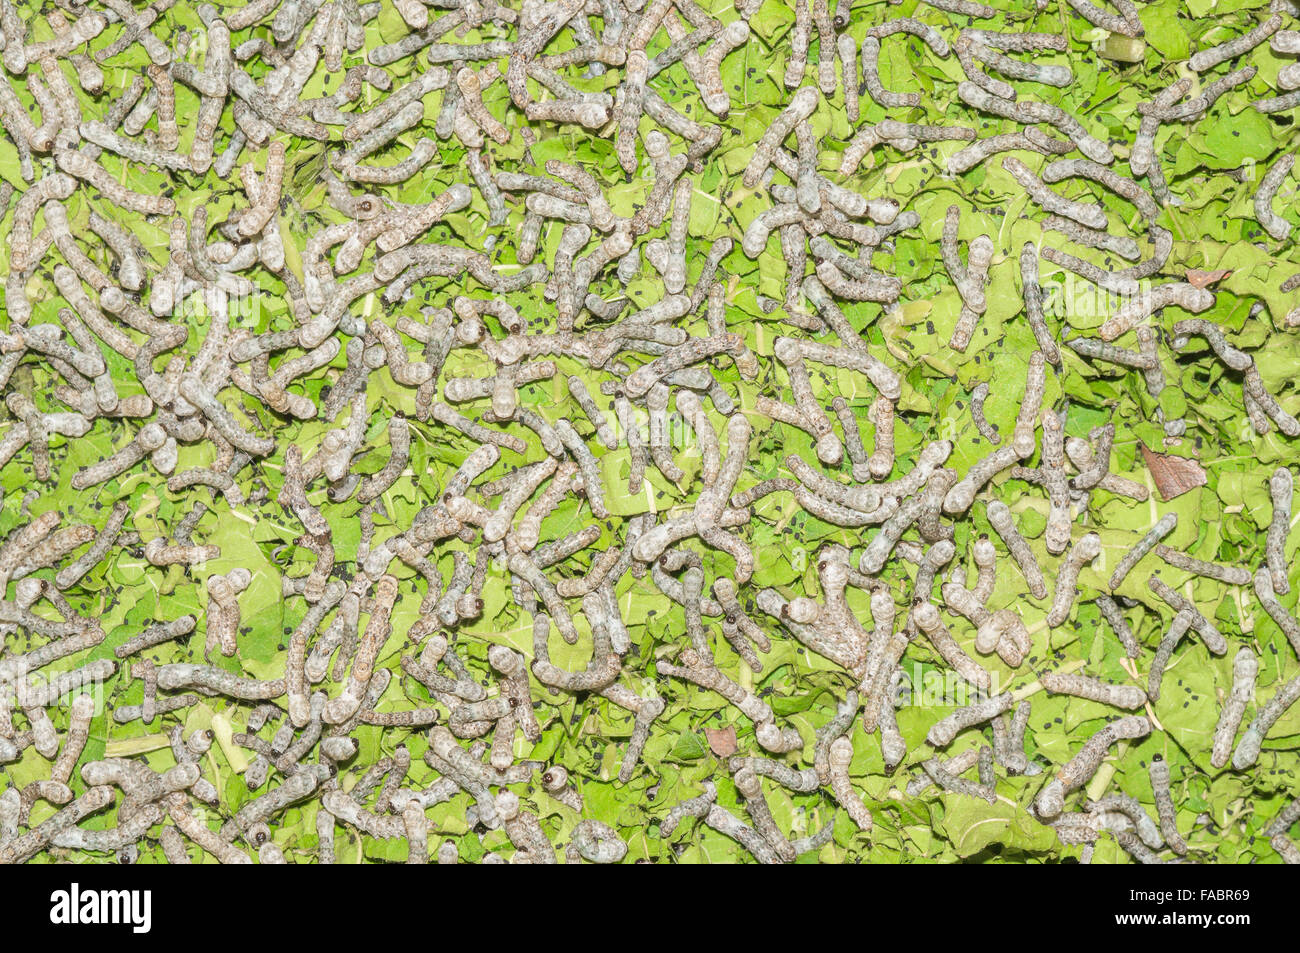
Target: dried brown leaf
[
  {"x": 1203, "y": 279},
  {"x": 1173, "y": 476},
  {"x": 722, "y": 741}
]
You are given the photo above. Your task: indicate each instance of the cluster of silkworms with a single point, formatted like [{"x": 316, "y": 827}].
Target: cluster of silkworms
[{"x": 410, "y": 471}]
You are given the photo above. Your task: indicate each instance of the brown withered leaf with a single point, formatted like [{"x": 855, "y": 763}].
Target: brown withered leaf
[
  {"x": 722, "y": 741},
  {"x": 1173, "y": 476},
  {"x": 1203, "y": 279}
]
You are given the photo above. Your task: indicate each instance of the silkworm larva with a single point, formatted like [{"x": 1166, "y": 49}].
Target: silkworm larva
[
  {"x": 928, "y": 620},
  {"x": 1232, "y": 575},
  {"x": 1283, "y": 820},
  {"x": 1112, "y": 613},
  {"x": 1146, "y": 828},
  {"x": 22, "y": 848},
  {"x": 1126, "y": 23},
  {"x": 1081, "y": 553},
  {"x": 1277, "y": 227},
  {"x": 1032, "y": 295},
  {"x": 1080, "y": 769},
  {"x": 760, "y": 813},
  {"x": 1211, "y": 636},
  {"x": 156, "y": 635},
  {"x": 953, "y": 767},
  {"x": 988, "y": 431},
  {"x": 940, "y": 775},
  {"x": 838, "y": 760},
  {"x": 598, "y": 843},
  {"x": 1091, "y": 216},
  {"x": 1248, "y": 748},
  {"x": 801, "y": 106},
  {"x": 1266, "y": 405},
  {"x": 1186, "y": 296},
  {"x": 1003, "y": 524},
  {"x": 962, "y": 495},
  {"x": 1286, "y": 849},
  {"x": 1022, "y": 438},
  {"x": 77, "y": 164},
  {"x": 943, "y": 732},
  {"x": 1215, "y": 337},
  {"x": 1162, "y": 529},
  {"x": 1165, "y": 651},
  {"x": 1047, "y": 74},
  {"x": 675, "y": 358},
  {"x": 871, "y": 79},
  {"x": 1214, "y": 55},
  {"x": 1280, "y": 486},
  {"x": 1026, "y": 111},
  {"x": 971, "y": 289},
  {"x": 1245, "y": 668},
  {"x": 1093, "y": 689},
  {"x": 186, "y": 675},
  {"x": 1277, "y": 612},
  {"x": 1110, "y": 353}
]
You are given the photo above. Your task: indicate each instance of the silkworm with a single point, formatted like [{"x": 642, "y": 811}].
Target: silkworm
[
  {"x": 1283, "y": 820},
  {"x": 944, "y": 731},
  {"x": 1280, "y": 486},
  {"x": 1208, "y": 58},
  {"x": 939, "y": 773},
  {"x": 1199, "y": 105},
  {"x": 1029, "y": 112},
  {"x": 156, "y": 635},
  {"x": 1232, "y": 575},
  {"x": 1080, "y": 769},
  {"x": 801, "y": 106},
  {"x": 703, "y": 673},
  {"x": 1288, "y": 851},
  {"x": 1266, "y": 405},
  {"x": 77, "y": 164},
  {"x": 55, "y": 187},
  {"x": 693, "y": 351},
  {"x": 1047, "y": 74},
  {"x": 1146, "y": 828},
  {"x": 951, "y": 769},
  {"x": 204, "y": 677},
  {"x": 598, "y": 843},
  {"x": 871, "y": 79},
  {"x": 928, "y": 620},
  {"x": 1267, "y": 597},
  {"x": 1110, "y": 353},
  {"x": 1081, "y": 553},
  {"x": 1182, "y": 621},
  {"x": 1032, "y": 295},
  {"x": 1091, "y": 216},
  {"x": 1112, "y": 613},
  {"x": 1248, "y": 748},
  {"x": 27, "y": 845},
  {"x": 1030, "y": 140},
  {"x": 1084, "y": 686},
  {"x": 1163, "y": 527},
  {"x": 1210, "y": 635},
  {"x": 839, "y": 758},
  {"x": 1003, "y": 524},
  {"x": 749, "y": 787},
  {"x": 977, "y": 397},
  {"x": 979, "y": 256},
  {"x": 1185, "y": 296},
  {"x": 1245, "y": 669},
  {"x": 1126, "y": 23},
  {"x": 1276, "y": 226}
]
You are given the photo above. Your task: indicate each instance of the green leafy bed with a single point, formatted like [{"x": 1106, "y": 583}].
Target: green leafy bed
[{"x": 701, "y": 745}]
